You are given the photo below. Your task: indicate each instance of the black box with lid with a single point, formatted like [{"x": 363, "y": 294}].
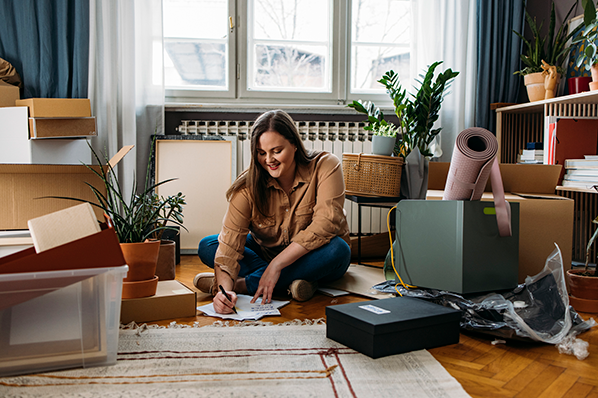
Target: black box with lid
[{"x": 392, "y": 326}]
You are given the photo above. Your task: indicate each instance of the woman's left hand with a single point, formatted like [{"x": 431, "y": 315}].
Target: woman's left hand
[{"x": 267, "y": 284}]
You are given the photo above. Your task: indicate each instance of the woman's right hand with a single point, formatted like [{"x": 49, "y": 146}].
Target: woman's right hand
[{"x": 222, "y": 305}]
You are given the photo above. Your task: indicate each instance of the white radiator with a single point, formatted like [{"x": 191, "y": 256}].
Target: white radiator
[{"x": 334, "y": 137}]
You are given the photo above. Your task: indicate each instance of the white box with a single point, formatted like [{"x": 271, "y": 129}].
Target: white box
[
  {"x": 63, "y": 319},
  {"x": 16, "y": 147}
]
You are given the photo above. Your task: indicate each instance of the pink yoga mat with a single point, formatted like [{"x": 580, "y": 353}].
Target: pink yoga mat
[
  {"x": 473, "y": 161},
  {"x": 473, "y": 156}
]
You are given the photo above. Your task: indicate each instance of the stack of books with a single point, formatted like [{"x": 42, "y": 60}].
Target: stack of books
[
  {"x": 581, "y": 173},
  {"x": 531, "y": 156}
]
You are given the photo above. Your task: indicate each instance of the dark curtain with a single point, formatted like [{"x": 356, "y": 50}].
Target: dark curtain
[
  {"x": 47, "y": 41},
  {"x": 498, "y": 56}
]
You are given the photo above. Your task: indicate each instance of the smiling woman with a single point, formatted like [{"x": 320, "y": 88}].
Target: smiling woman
[{"x": 285, "y": 227}]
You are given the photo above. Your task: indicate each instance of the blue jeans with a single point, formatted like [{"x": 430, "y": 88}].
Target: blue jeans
[{"x": 325, "y": 264}]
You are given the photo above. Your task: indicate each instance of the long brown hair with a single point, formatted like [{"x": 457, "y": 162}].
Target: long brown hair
[{"x": 255, "y": 178}]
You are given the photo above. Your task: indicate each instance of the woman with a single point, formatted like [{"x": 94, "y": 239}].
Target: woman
[{"x": 285, "y": 227}]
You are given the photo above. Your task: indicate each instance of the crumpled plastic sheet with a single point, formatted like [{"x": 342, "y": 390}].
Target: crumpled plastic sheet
[{"x": 537, "y": 310}]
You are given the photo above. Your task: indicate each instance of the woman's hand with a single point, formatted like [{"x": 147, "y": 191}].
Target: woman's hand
[
  {"x": 222, "y": 305},
  {"x": 267, "y": 284}
]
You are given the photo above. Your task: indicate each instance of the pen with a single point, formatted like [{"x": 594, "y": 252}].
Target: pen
[{"x": 227, "y": 297}]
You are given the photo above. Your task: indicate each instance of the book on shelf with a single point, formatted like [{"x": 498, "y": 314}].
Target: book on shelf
[
  {"x": 593, "y": 172},
  {"x": 579, "y": 184},
  {"x": 593, "y": 179},
  {"x": 532, "y": 154},
  {"x": 580, "y": 163}
]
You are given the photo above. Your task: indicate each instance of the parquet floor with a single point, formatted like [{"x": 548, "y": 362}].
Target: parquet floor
[{"x": 484, "y": 369}]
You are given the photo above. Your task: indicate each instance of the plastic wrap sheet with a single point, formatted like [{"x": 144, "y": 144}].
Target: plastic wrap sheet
[{"x": 537, "y": 310}]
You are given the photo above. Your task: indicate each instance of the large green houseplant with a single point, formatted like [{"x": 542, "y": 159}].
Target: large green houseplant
[
  {"x": 416, "y": 113},
  {"x": 551, "y": 47}
]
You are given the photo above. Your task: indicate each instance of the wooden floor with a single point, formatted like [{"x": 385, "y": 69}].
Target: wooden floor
[{"x": 514, "y": 369}]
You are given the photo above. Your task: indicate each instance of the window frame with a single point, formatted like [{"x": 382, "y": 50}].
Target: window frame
[{"x": 237, "y": 93}]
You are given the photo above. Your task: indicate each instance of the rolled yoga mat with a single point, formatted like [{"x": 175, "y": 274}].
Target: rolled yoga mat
[
  {"x": 473, "y": 161},
  {"x": 471, "y": 164}
]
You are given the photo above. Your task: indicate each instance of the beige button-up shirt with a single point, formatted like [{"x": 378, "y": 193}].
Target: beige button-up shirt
[{"x": 311, "y": 215}]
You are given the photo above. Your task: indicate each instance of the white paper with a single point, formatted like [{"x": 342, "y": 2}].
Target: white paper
[
  {"x": 245, "y": 309},
  {"x": 332, "y": 292}
]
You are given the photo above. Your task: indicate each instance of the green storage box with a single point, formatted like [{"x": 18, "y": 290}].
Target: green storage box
[{"x": 454, "y": 245}]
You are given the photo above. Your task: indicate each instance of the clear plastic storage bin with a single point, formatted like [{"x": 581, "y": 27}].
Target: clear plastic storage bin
[{"x": 59, "y": 319}]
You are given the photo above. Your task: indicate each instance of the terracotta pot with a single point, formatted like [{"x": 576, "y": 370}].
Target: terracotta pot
[
  {"x": 534, "y": 83},
  {"x": 594, "y": 72},
  {"x": 166, "y": 267},
  {"x": 142, "y": 259},
  {"x": 583, "y": 291},
  {"x": 140, "y": 289}
]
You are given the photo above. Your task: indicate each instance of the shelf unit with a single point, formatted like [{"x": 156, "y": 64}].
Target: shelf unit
[{"x": 518, "y": 124}]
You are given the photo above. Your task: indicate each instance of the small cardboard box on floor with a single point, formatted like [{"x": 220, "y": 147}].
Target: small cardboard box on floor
[
  {"x": 172, "y": 300},
  {"x": 545, "y": 218},
  {"x": 22, "y": 187}
]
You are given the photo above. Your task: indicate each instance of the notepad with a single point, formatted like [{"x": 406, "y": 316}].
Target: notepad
[{"x": 246, "y": 310}]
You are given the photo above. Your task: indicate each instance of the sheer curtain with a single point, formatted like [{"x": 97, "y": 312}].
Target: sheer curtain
[
  {"x": 126, "y": 91},
  {"x": 445, "y": 30}
]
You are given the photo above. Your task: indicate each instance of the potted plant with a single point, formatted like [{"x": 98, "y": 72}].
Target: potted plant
[
  {"x": 551, "y": 48},
  {"x": 417, "y": 114},
  {"x": 139, "y": 219},
  {"x": 588, "y": 57},
  {"x": 583, "y": 283}
]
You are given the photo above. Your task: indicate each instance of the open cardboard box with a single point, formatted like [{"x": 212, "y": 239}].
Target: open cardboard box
[
  {"x": 545, "y": 218},
  {"x": 59, "y": 117},
  {"x": 24, "y": 186}
]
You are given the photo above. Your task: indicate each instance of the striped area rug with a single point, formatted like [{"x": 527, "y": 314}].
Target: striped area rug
[{"x": 257, "y": 361}]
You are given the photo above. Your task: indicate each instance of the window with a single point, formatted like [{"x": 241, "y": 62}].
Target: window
[{"x": 310, "y": 51}]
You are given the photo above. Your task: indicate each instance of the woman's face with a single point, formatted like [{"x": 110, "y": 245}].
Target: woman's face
[{"x": 277, "y": 155}]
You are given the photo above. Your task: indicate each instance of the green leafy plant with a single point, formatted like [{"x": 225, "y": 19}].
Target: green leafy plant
[
  {"x": 589, "y": 37},
  {"x": 552, "y": 48},
  {"x": 139, "y": 216},
  {"x": 417, "y": 112}
]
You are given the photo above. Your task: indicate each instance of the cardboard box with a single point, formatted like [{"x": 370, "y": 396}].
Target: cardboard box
[
  {"x": 392, "y": 326},
  {"x": 18, "y": 148},
  {"x": 40, "y": 128},
  {"x": 57, "y": 107},
  {"x": 8, "y": 94},
  {"x": 545, "y": 218},
  {"x": 22, "y": 187},
  {"x": 72, "y": 322},
  {"x": 455, "y": 246},
  {"x": 172, "y": 300}
]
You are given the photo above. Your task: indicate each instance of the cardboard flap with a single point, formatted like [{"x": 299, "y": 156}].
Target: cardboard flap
[
  {"x": 529, "y": 178},
  {"x": 119, "y": 155}
]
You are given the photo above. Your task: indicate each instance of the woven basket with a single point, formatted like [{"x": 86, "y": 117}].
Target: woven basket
[{"x": 372, "y": 175}]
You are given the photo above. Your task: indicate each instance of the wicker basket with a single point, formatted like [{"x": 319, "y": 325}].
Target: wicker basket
[{"x": 372, "y": 175}]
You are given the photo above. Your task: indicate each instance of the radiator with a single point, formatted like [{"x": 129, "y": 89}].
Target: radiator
[{"x": 334, "y": 137}]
